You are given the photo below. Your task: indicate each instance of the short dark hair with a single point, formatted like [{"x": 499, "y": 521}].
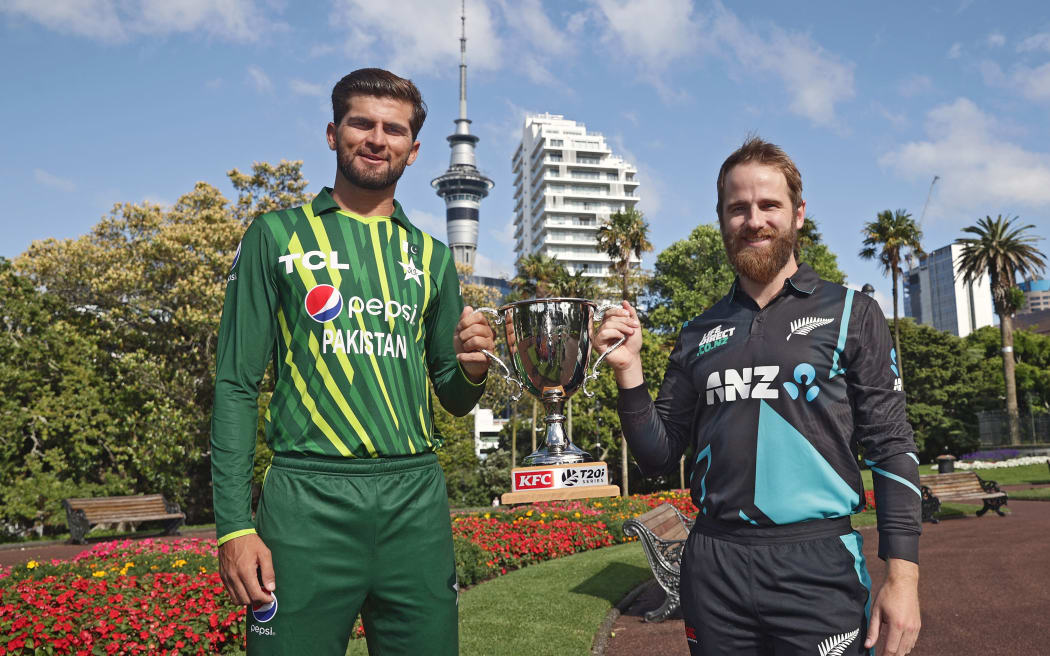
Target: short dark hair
[
  {"x": 381, "y": 84},
  {"x": 756, "y": 149}
]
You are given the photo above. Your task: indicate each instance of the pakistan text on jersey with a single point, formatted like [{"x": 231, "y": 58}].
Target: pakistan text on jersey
[{"x": 366, "y": 342}]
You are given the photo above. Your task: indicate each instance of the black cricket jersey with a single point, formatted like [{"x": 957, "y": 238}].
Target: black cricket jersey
[{"x": 776, "y": 402}]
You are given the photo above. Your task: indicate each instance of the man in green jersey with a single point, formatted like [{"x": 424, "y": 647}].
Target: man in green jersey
[{"x": 356, "y": 308}]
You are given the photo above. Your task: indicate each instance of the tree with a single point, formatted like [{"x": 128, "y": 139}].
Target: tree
[
  {"x": 814, "y": 252},
  {"x": 1004, "y": 251},
  {"x": 887, "y": 238},
  {"x": 689, "y": 277},
  {"x": 625, "y": 235},
  {"x": 151, "y": 280}
]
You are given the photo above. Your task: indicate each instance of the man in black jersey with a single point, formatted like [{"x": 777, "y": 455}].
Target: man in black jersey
[{"x": 777, "y": 387}]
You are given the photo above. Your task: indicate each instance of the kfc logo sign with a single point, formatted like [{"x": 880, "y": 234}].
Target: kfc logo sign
[{"x": 533, "y": 480}]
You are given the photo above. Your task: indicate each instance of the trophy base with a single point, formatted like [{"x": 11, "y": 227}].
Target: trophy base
[{"x": 560, "y": 482}]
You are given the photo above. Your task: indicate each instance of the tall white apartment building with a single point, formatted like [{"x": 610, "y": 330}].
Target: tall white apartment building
[
  {"x": 935, "y": 294},
  {"x": 566, "y": 184}
]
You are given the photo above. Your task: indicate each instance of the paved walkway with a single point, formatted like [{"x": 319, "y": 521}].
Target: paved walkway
[
  {"x": 14, "y": 554},
  {"x": 984, "y": 589}
]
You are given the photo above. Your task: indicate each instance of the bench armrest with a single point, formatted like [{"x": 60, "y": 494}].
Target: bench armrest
[{"x": 988, "y": 486}]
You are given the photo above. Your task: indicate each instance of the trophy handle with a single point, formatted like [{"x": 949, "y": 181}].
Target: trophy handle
[
  {"x": 599, "y": 314},
  {"x": 507, "y": 375}
]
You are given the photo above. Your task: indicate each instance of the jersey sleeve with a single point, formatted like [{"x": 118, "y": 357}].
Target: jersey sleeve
[
  {"x": 246, "y": 340},
  {"x": 457, "y": 393},
  {"x": 882, "y": 429},
  {"x": 659, "y": 432}
]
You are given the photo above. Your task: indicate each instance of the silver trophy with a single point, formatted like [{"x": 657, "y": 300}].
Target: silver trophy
[{"x": 549, "y": 343}]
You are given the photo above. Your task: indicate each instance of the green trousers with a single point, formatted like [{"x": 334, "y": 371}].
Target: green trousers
[{"x": 348, "y": 536}]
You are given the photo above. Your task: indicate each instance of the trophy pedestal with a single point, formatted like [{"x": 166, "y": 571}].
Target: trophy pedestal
[{"x": 560, "y": 482}]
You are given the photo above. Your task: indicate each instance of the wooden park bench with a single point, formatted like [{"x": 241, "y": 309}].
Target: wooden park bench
[
  {"x": 662, "y": 532},
  {"x": 81, "y": 514},
  {"x": 965, "y": 487}
]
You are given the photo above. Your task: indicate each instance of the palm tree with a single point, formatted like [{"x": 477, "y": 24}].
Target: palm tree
[
  {"x": 626, "y": 235},
  {"x": 1003, "y": 251},
  {"x": 886, "y": 237},
  {"x": 538, "y": 276}
]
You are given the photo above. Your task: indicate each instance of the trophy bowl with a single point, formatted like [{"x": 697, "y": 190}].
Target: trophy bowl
[{"x": 549, "y": 344}]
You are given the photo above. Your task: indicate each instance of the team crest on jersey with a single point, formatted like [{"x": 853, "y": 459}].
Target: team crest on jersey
[
  {"x": 324, "y": 303},
  {"x": 265, "y": 612}
]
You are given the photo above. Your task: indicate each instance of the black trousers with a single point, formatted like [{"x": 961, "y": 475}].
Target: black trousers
[{"x": 775, "y": 591}]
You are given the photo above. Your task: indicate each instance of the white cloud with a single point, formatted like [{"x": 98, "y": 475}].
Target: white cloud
[
  {"x": 955, "y": 51},
  {"x": 304, "y": 88},
  {"x": 1032, "y": 83},
  {"x": 898, "y": 119},
  {"x": 981, "y": 172},
  {"x": 505, "y": 235},
  {"x": 53, "y": 181},
  {"x": 421, "y": 36},
  {"x": 120, "y": 20},
  {"x": 656, "y": 32},
  {"x": 487, "y": 266},
  {"x": 815, "y": 79},
  {"x": 430, "y": 223},
  {"x": 996, "y": 39},
  {"x": 914, "y": 85},
  {"x": 215, "y": 83},
  {"x": 1036, "y": 42},
  {"x": 259, "y": 80}
]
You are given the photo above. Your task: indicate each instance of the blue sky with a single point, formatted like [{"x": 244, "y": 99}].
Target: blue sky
[{"x": 128, "y": 100}]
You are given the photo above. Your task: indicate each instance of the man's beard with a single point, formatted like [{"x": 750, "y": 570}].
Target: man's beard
[
  {"x": 372, "y": 179},
  {"x": 760, "y": 264}
]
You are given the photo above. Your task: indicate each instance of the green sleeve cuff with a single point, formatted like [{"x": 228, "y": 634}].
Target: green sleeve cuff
[
  {"x": 463, "y": 372},
  {"x": 236, "y": 534}
]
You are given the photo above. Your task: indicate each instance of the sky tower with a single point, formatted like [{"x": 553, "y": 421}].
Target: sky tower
[{"x": 462, "y": 185}]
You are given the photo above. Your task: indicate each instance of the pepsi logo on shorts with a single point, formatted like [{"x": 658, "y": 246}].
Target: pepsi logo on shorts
[
  {"x": 265, "y": 612},
  {"x": 323, "y": 303}
]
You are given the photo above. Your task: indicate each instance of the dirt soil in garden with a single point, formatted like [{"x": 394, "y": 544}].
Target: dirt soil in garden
[
  {"x": 983, "y": 589},
  {"x": 17, "y": 553}
]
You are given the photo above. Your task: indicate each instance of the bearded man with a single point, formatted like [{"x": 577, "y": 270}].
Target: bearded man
[
  {"x": 776, "y": 388},
  {"x": 355, "y": 307}
]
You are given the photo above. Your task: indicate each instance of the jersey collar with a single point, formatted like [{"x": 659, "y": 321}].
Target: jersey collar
[
  {"x": 324, "y": 202},
  {"x": 804, "y": 282}
]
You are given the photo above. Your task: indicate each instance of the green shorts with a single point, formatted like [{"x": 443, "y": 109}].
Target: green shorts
[{"x": 349, "y": 536}]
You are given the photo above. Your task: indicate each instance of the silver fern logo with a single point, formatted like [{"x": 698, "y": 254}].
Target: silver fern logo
[
  {"x": 836, "y": 645},
  {"x": 805, "y": 325}
]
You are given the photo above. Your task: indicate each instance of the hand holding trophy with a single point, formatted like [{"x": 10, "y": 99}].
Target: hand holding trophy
[{"x": 549, "y": 343}]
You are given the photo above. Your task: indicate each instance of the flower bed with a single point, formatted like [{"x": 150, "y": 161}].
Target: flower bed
[
  {"x": 153, "y": 596},
  {"x": 122, "y": 597}
]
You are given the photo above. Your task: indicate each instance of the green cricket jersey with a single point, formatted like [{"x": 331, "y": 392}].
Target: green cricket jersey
[{"x": 354, "y": 312}]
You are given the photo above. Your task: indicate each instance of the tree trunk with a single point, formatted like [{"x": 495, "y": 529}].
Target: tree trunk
[
  {"x": 897, "y": 330},
  {"x": 534, "y": 405},
  {"x": 681, "y": 473},
  {"x": 624, "y": 491},
  {"x": 514, "y": 436},
  {"x": 568, "y": 420},
  {"x": 1006, "y": 328}
]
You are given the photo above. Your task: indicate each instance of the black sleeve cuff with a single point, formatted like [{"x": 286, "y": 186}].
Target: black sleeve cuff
[
  {"x": 899, "y": 545},
  {"x": 634, "y": 399}
]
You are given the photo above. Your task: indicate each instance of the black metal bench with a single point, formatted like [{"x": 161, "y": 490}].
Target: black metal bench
[
  {"x": 662, "y": 532},
  {"x": 965, "y": 487},
  {"x": 82, "y": 514}
]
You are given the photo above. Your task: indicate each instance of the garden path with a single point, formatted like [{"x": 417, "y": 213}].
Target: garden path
[{"x": 983, "y": 589}]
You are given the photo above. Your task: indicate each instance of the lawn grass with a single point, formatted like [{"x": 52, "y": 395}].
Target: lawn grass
[
  {"x": 1037, "y": 474},
  {"x": 1035, "y": 494},
  {"x": 549, "y": 608}
]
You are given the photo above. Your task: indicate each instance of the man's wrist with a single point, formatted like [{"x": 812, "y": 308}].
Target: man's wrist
[{"x": 899, "y": 570}]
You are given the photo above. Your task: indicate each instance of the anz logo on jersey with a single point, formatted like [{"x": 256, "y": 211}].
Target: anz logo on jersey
[{"x": 758, "y": 383}]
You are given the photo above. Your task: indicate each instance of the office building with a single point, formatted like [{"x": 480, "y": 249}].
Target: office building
[
  {"x": 567, "y": 182},
  {"x": 1036, "y": 296},
  {"x": 935, "y": 294}
]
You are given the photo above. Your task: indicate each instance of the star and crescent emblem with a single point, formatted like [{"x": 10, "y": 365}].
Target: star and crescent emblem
[{"x": 411, "y": 272}]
